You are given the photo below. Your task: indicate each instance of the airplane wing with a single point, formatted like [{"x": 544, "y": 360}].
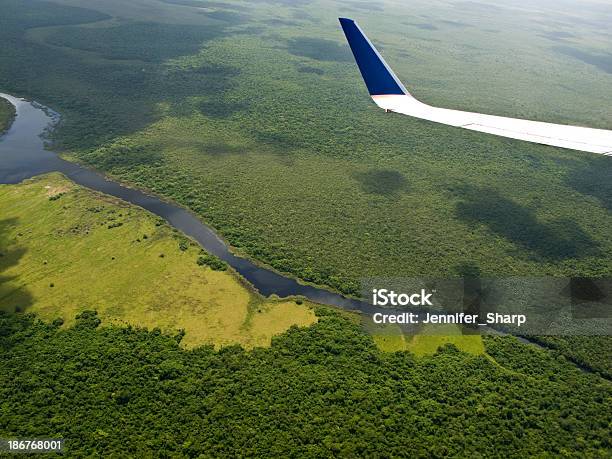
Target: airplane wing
[{"x": 389, "y": 93}]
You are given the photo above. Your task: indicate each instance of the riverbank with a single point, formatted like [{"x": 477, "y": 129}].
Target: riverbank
[
  {"x": 7, "y": 115},
  {"x": 57, "y": 236},
  {"x": 23, "y": 156}
]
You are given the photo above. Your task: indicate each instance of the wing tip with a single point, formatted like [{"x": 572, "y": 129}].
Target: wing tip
[{"x": 378, "y": 76}]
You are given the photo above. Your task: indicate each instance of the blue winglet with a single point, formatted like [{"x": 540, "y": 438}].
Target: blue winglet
[{"x": 378, "y": 77}]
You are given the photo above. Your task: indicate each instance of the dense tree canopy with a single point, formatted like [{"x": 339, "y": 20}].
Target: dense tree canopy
[{"x": 317, "y": 391}]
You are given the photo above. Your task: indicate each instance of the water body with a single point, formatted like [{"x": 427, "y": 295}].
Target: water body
[{"x": 23, "y": 155}]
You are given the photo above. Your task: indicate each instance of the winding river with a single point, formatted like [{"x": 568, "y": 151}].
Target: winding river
[{"x": 23, "y": 155}]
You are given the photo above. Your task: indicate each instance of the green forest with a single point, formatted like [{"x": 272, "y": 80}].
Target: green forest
[
  {"x": 590, "y": 352},
  {"x": 317, "y": 391},
  {"x": 255, "y": 117}
]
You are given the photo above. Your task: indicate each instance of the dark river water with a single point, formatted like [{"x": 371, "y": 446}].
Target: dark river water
[{"x": 23, "y": 155}]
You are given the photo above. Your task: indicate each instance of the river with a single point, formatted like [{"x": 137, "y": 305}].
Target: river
[{"x": 23, "y": 155}]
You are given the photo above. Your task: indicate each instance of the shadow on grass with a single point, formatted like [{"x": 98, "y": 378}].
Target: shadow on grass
[
  {"x": 473, "y": 291},
  {"x": 381, "y": 182},
  {"x": 212, "y": 81},
  {"x": 231, "y": 17},
  {"x": 320, "y": 49},
  {"x": 458, "y": 24},
  {"x": 106, "y": 98},
  {"x": 424, "y": 26},
  {"x": 593, "y": 178},
  {"x": 13, "y": 298},
  {"x": 279, "y": 142},
  {"x": 553, "y": 241},
  {"x": 603, "y": 61},
  {"x": 307, "y": 69}
]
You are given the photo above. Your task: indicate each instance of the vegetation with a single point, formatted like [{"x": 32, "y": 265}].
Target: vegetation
[
  {"x": 594, "y": 353},
  {"x": 65, "y": 249},
  {"x": 427, "y": 342},
  {"x": 259, "y": 123},
  {"x": 317, "y": 391},
  {"x": 7, "y": 114},
  {"x": 255, "y": 118},
  {"x": 213, "y": 262}
]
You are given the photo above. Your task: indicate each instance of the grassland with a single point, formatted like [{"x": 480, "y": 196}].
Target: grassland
[
  {"x": 428, "y": 341},
  {"x": 65, "y": 249},
  {"x": 7, "y": 114},
  {"x": 265, "y": 130}
]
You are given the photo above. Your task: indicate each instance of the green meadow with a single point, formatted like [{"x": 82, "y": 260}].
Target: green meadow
[
  {"x": 65, "y": 250},
  {"x": 427, "y": 341}
]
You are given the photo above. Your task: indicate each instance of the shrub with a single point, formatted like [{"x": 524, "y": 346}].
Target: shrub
[{"x": 212, "y": 262}]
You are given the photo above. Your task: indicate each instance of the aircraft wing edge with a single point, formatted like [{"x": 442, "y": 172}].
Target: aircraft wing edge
[
  {"x": 558, "y": 135},
  {"x": 389, "y": 93}
]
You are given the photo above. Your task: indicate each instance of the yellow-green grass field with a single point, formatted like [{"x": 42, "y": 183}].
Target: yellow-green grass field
[
  {"x": 7, "y": 113},
  {"x": 428, "y": 341},
  {"x": 65, "y": 249}
]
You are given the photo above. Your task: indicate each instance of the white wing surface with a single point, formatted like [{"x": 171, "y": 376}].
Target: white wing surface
[{"x": 389, "y": 93}]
